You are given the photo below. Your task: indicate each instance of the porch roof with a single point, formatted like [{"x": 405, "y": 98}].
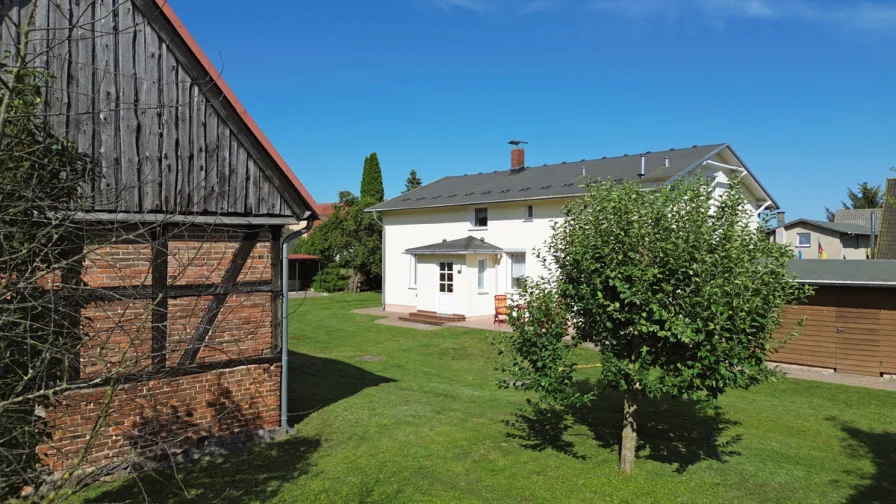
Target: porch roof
[{"x": 468, "y": 245}]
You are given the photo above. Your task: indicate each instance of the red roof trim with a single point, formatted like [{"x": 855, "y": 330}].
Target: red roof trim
[
  {"x": 175, "y": 21},
  {"x": 302, "y": 257}
]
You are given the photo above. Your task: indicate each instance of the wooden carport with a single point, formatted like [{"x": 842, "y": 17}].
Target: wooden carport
[{"x": 850, "y": 320}]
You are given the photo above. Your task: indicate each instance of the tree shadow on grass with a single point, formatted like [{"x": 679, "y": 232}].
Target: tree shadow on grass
[
  {"x": 541, "y": 428},
  {"x": 880, "y": 449},
  {"x": 317, "y": 382},
  {"x": 257, "y": 475},
  {"x": 676, "y": 432}
]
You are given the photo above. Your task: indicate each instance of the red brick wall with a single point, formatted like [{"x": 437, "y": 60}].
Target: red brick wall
[
  {"x": 173, "y": 411},
  {"x": 170, "y": 414}
]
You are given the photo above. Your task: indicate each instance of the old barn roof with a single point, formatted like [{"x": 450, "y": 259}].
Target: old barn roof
[{"x": 165, "y": 7}]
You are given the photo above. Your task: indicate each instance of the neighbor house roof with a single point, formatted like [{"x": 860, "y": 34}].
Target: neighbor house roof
[
  {"x": 886, "y": 245},
  {"x": 859, "y": 216},
  {"x": 468, "y": 245},
  {"x": 553, "y": 181},
  {"x": 839, "y": 227},
  {"x": 873, "y": 273},
  {"x": 324, "y": 211},
  {"x": 230, "y": 97}
]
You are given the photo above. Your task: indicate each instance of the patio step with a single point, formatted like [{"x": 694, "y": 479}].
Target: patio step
[{"x": 431, "y": 318}]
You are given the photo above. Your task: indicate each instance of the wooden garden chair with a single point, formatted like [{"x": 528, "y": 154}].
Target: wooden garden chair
[{"x": 501, "y": 309}]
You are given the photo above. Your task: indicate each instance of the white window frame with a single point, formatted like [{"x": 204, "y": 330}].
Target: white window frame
[
  {"x": 800, "y": 245},
  {"x": 476, "y": 226},
  {"x": 481, "y": 270},
  {"x": 412, "y": 281},
  {"x": 510, "y": 286},
  {"x": 527, "y": 215}
]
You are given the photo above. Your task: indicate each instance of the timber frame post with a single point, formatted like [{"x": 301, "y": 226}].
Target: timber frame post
[{"x": 159, "y": 295}]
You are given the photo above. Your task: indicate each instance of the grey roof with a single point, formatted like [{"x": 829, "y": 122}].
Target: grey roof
[
  {"x": 559, "y": 180},
  {"x": 886, "y": 246},
  {"x": 859, "y": 216},
  {"x": 468, "y": 245},
  {"x": 856, "y": 272},
  {"x": 839, "y": 227}
]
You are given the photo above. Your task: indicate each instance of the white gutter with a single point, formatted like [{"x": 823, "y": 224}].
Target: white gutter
[
  {"x": 284, "y": 316},
  {"x": 723, "y": 165},
  {"x": 763, "y": 207}
]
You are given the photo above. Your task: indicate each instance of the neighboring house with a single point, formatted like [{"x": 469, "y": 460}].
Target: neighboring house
[
  {"x": 182, "y": 267},
  {"x": 452, "y": 245},
  {"x": 838, "y": 240}
]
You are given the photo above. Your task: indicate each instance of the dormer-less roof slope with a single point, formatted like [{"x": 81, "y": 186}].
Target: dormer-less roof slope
[{"x": 553, "y": 181}]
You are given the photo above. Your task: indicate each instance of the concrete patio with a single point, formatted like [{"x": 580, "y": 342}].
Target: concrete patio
[{"x": 391, "y": 318}]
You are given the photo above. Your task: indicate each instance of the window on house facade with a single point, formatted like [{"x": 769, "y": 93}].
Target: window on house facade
[
  {"x": 413, "y": 271},
  {"x": 804, "y": 240},
  {"x": 530, "y": 212},
  {"x": 480, "y": 217},
  {"x": 517, "y": 270},
  {"x": 480, "y": 279}
]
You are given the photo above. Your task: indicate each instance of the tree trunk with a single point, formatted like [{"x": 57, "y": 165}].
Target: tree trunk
[{"x": 629, "y": 442}]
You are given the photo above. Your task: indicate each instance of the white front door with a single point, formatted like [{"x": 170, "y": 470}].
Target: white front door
[{"x": 446, "y": 287}]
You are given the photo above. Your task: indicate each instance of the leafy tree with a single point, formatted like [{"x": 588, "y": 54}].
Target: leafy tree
[
  {"x": 676, "y": 290},
  {"x": 412, "y": 182},
  {"x": 350, "y": 238},
  {"x": 372, "y": 191},
  {"x": 867, "y": 196}
]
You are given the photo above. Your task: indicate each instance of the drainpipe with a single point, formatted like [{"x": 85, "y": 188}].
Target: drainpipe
[
  {"x": 382, "y": 262},
  {"x": 284, "y": 316}
]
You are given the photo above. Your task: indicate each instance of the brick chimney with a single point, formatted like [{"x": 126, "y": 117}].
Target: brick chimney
[{"x": 517, "y": 155}]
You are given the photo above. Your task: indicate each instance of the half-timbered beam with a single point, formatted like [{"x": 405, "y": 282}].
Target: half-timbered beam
[{"x": 200, "y": 335}]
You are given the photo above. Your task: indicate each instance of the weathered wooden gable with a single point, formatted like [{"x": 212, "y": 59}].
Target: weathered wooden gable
[{"x": 129, "y": 90}]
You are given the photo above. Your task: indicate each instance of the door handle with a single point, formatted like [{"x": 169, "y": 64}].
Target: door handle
[{"x": 840, "y": 330}]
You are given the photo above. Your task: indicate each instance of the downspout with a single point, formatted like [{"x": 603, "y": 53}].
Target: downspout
[
  {"x": 284, "y": 316},
  {"x": 382, "y": 262}
]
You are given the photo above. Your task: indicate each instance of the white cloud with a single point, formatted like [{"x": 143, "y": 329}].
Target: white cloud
[
  {"x": 482, "y": 6},
  {"x": 857, "y": 15}
]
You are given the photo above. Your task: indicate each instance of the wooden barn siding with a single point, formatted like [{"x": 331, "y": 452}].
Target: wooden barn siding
[
  {"x": 123, "y": 95},
  {"x": 866, "y": 340}
]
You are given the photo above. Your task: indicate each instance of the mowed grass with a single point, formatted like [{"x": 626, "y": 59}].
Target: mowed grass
[{"x": 427, "y": 423}]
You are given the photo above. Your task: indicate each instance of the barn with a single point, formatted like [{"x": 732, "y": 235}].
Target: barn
[
  {"x": 182, "y": 264},
  {"x": 850, "y": 320}
]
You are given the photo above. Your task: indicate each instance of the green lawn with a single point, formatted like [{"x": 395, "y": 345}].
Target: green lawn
[{"x": 427, "y": 424}]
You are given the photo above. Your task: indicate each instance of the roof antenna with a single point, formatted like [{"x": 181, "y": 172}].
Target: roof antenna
[
  {"x": 643, "y": 163},
  {"x": 667, "y": 161},
  {"x": 583, "y": 170}
]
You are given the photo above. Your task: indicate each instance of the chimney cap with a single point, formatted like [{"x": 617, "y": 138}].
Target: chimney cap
[{"x": 517, "y": 143}]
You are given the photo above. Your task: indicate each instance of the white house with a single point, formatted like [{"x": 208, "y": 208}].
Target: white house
[{"x": 450, "y": 246}]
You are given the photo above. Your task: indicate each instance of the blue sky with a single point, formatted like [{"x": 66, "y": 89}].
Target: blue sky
[{"x": 804, "y": 90}]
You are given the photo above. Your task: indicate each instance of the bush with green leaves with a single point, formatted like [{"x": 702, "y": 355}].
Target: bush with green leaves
[
  {"x": 331, "y": 279},
  {"x": 679, "y": 291}
]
